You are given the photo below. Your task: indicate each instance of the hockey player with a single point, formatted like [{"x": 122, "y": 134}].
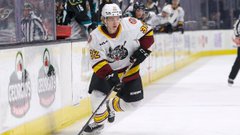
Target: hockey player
[
  {"x": 138, "y": 11},
  {"x": 160, "y": 22},
  {"x": 77, "y": 9},
  {"x": 236, "y": 65},
  {"x": 113, "y": 46},
  {"x": 176, "y": 16},
  {"x": 76, "y": 14}
]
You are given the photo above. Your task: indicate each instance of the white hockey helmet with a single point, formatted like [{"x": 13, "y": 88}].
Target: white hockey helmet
[
  {"x": 167, "y": 9},
  {"x": 111, "y": 10}
]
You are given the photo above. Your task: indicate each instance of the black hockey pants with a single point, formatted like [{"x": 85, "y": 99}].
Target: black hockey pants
[{"x": 236, "y": 66}]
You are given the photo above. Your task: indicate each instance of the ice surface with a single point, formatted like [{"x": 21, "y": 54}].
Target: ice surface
[{"x": 195, "y": 100}]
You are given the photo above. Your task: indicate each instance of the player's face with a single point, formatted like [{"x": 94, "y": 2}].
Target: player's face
[
  {"x": 112, "y": 23},
  {"x": 175, "y": 3},
  {"x": 139, "y": 13}
]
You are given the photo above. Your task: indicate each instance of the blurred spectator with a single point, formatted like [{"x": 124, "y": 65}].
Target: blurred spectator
[
  {"x": 204, "y": 23},
  {"x": 59, "y": 12},
  {"x": 31, "y": 25},
  {"x": 77, "y": 9},
  {"x": 81, "y": 12}
]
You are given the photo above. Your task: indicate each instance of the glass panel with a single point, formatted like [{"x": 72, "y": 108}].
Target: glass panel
[
  {"x": 7, "y": 22},
  {"x": 37, "y": 21}
]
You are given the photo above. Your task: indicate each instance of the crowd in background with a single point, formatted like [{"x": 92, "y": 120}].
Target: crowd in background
[
  {"x": 84, "y": 16},
  {"x": 199, "y": 15}
]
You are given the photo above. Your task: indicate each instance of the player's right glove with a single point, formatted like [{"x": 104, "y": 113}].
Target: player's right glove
[
  {"x": 180, "y": 27},
  {"x": 168, "y": 28},
  {"x": 139, "y": 56},
  {"x": 113, "y": 80}
]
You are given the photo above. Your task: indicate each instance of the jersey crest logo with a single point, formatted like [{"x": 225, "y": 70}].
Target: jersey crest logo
[{"x": 118, "y": 53}]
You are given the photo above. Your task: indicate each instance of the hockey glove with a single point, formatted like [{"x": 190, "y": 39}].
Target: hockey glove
[
  {"x": 157, "y": 29},
  {"x": 181, "y": 29},
  {"x": 169, "y": 28},
  {"x": 113, "y": 80},
  {"x": 139, "y": 56}
]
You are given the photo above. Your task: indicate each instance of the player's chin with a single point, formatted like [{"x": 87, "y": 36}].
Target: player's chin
[{"x": 114, "y": 29}]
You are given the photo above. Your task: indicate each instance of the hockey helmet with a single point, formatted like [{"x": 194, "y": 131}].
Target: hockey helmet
[
  {"x": 111, "y": 10},
  {"x": 138, "y": 5},
  {"x": 167, "y": 10}
]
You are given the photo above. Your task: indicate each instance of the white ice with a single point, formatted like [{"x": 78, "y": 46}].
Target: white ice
[{"x": 195, "y": 100}]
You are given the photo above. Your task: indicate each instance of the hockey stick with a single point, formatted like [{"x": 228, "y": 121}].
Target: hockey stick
[
  {"x": 113, "y": 88},
  {"x": 130, "y": 3},
  {"x": 120, "y": 3}
]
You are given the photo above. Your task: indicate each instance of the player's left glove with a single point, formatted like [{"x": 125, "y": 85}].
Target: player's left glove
[{"x": 139, "y": 56}]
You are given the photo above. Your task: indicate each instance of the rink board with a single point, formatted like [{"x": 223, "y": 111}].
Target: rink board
[{"x": 72, "y": 74}]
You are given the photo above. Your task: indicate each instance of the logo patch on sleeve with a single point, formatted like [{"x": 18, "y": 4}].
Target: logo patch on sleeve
[
  {"x": 144, "y": 29},
  {"x": 132, "y": 20}
]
